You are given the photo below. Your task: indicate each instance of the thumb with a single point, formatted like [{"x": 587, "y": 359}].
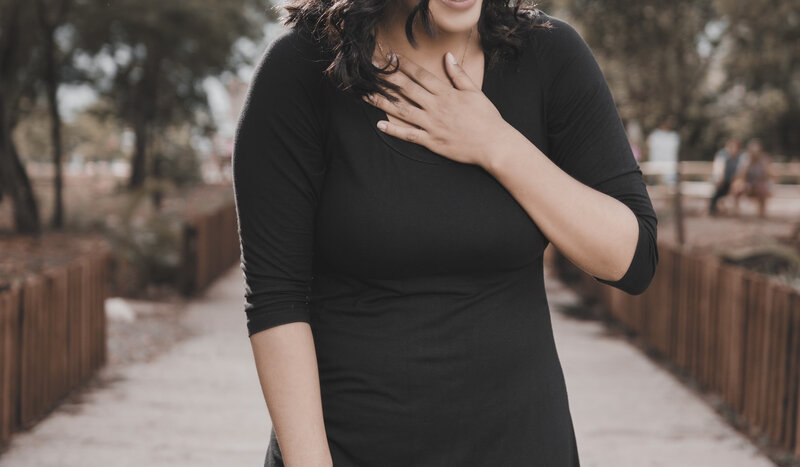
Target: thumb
[{"x": 460, "y": 78}]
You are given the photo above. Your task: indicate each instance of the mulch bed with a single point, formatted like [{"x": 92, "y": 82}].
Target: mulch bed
[{"x": 23, "y": 255}]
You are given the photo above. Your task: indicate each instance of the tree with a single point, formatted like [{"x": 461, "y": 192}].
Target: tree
[
  {"x": 18, "y": 68},
  {"x": 765, "y": 61},
  {"x": 50, "y": 16},
  {"x": 163, "y": 51},
  {"x": 651, "y": 56}
]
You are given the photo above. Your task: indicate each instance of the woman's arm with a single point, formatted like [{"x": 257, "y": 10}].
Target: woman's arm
[
  {"x": 587, "y": 194},
  {"x": 718, "y": 169},
  {"x": 278, "y": 168},
  {"x": 287, "y": 368},
  {"x": 594, "y": 230}
]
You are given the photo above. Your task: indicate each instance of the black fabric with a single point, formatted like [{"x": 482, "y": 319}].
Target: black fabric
[
  {"x": 273, "y": 457},
  {"x": 421, "y": 277}
]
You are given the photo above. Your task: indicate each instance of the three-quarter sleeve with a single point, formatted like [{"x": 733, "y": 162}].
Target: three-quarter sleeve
[
  {"x": 278, "y": 169},
  {"x": 586, "y": 139}
]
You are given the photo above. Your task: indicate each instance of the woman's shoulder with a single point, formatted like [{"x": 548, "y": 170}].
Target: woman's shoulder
[
  {"x": 299, "y": 39},
  {"x": 559, "y": 49},
  {"x": 556, "y": 43},
  {"x": 295, "y": 54}
]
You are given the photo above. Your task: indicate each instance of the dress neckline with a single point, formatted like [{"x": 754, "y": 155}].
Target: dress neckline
[{"x": 416, "y": 151}]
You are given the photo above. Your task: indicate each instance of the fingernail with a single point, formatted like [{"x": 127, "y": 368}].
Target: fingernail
[
  {"x": 451, "y": 58},
  {"x": 382, "y": 125}
]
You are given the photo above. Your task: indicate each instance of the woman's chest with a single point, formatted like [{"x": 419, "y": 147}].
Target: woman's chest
[{"x": 391, "y": 208}]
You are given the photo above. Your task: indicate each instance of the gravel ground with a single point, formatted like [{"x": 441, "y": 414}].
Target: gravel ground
[{"x": 139, "y": 330}]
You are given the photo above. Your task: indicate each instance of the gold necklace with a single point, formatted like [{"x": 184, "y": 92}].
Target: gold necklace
[{"x": 462, "y": 55}]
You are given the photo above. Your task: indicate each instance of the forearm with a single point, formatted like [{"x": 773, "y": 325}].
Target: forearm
[
  {"x": 287, "y": 368},
  {"x": 594, "y": 230}
]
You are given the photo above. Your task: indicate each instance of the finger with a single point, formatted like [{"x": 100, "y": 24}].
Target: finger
[
  {"x": 461, "y": 79},
  {"x": 423, "y": 77},
  {"x": 402, "y": 122},
  {"x": 401, "y": 109},
  {"x": 412, "y": 134},
  {"x": 411, "y": 90}
]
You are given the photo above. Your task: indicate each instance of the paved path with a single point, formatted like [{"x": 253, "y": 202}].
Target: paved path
[
  {"x": 199, "y": 403},
  {"x": 629, "y": 412}
]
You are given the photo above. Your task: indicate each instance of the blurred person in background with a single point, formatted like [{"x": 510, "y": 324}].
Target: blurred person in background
[
  {"x": 723, "y": 170},
  {"x": 634, "y": 131},
  {"x": 754, "y": 180},
  {"x": 663, "y": 144}
]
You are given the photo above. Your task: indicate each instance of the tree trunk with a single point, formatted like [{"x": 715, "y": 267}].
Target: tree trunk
[
  {"x": 51, "y": 80},
  {"x": 15, "y": 182},
  {"x": 13, "y": 178},
  {"x": 145, "y": 116},
  {"x": 678, "y": 112},
  {"x": 680, "y": 231},
  {"x": 158, "y": 194},
  {"x": 139, "y": 159}
]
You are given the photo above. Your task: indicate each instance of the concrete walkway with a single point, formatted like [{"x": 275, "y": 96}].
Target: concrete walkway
[
  {"x": 629, "y": 412},
  {"x": 199, "y": 403}
]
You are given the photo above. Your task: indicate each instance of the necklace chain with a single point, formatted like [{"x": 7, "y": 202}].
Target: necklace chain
[{"x": 463, "y": 56}]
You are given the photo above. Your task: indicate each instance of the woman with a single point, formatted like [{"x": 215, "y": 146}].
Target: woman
[
  {"x": 755, "y": 178},
  {"x": 724, "y": 167},
  {"x": 395, "y": 298}
]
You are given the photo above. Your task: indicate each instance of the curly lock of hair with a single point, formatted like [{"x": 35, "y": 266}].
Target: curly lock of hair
[{"x": 346, "y": 30}]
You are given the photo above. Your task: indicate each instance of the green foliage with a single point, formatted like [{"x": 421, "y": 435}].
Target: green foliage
[
  {"x": 95, "y": 134},
  {"x": 182, "y": 168},
  {"x": 146, "y": 239},
  {"x": 719, "y": 67},
  {"x": 163, "y": 50},
  {"x": 649, "y": 53},
  {"x": 148, "y": 58},
  {"x": 765, "y": 61}
]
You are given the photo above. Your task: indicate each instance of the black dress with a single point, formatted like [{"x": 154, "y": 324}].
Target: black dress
[{"x": 421, "y": 277}]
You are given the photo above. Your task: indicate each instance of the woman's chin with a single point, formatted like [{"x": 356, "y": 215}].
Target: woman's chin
[{"x": 456, "y": 15}]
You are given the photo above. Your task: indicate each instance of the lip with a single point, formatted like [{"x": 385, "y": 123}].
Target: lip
[{"x": 459, "y": 4}]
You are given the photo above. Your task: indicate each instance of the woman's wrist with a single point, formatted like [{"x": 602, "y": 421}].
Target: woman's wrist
[
  {"x": 321, "y": 460},
  {"x": 507, "y": 143}
]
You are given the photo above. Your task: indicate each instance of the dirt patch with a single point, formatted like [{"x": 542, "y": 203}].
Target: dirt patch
[
  {"x": 23, "y": 255},
  {"x": 139, "y": 330},
  {"x": 769, "y": 246}
]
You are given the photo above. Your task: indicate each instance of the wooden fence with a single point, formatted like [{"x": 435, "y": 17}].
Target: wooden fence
[
  {"x": 210, "y": 247},
  {"x": 52, "y": 338},
  {"x": 785, "y": 172},
  {"x": 736, "y": 332}
]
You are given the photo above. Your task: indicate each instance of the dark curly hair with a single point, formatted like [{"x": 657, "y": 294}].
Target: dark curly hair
[{"x": 345, "y": 30}]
